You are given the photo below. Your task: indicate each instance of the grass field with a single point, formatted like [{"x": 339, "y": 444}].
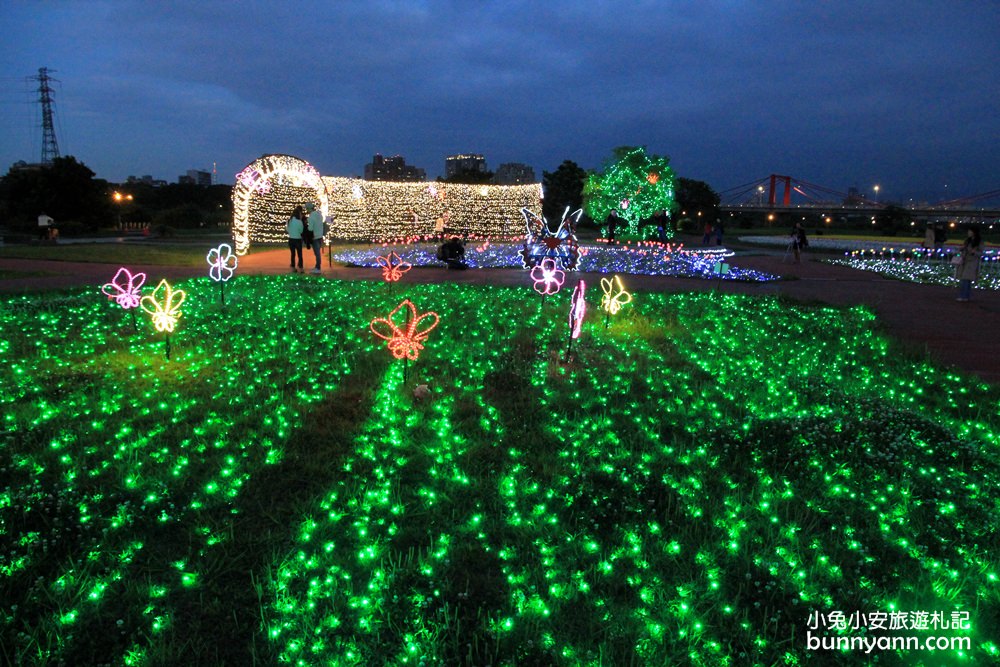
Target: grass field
[
  {"x": 701, "y": 476},
  {"x": 121, "y": 253}
]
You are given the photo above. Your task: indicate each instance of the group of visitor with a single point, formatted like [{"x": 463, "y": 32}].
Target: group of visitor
[
  {"x": 797, "y": 241},
  {"x": 659, "y": 219},
  {"x": 935, "y": 237},
  {"x": 305, "y": 229}
]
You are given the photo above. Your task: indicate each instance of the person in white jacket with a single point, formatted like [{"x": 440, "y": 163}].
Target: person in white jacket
[{"x": 294, "y": 228}]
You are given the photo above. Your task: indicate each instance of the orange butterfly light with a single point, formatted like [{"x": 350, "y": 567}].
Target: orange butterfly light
[
  {"x": 409, "y": 340},
  {"x": 393, "y": 270}
]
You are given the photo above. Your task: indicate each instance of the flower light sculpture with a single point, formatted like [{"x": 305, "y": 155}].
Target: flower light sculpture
[
  {"x": 405, "y": 342},
  {"x": 548, "y": 277},
  {"x": 615, "y": 295},
  {"x": 393, "y": 267},
  {"x": 164, "y": 304},
  {"x": 126, "y": 289},
  {"x": 577, "y": 309},
  {"x": 222, "y": 263}
]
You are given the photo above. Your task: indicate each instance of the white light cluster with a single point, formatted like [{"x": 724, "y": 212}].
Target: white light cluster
[
  {"x": 268, "y": 189},
  {"x": 265, "y": 194},
  {"x": 381, "y": 211}
]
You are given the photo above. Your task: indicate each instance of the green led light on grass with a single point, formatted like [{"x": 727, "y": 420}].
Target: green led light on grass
[{"x": 704, "y": 454}]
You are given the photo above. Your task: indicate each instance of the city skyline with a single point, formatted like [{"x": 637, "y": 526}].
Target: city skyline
[{"x": 894, "y": 95}]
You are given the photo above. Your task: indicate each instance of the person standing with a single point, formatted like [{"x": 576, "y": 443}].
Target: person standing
[
  {"x": 315, "y": 223},
  {"x": 928, "y": 242},
  {"x": 798, "y": 240},
  {"x": 612, "y": 223},
  {"x": 940, "y": 237},
  {"x": 706, "y": 238},
  {"x": 967, "y": 269},
  {"x": 660, "y": 218},
  {"x": 295, "y": 226}
]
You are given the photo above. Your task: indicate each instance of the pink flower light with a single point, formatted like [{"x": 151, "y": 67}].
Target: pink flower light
[
  {"x": 548, "y": 277},
  {"x": 577, "y": 309}
]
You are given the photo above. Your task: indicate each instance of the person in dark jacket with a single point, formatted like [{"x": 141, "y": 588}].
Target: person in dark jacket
[
  {"x": 798, "y": 240},
  {"x": 452, "y": 252}
]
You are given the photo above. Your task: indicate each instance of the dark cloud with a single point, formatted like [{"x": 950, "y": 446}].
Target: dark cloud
[{"x": 841, "y": 94}]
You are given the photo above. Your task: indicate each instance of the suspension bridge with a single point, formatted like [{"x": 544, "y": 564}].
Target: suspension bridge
[{"x": 780, "y": 194}]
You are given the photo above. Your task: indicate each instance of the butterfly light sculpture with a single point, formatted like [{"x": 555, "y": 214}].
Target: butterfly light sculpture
[
  {"x": 406, "y": 341},
  {"x": 164, "y": 304},
  {"x": 615, "y": 295},
  {"x": 393, "y": 267},
  {"x": 125, "y": 288},
  {"x": 541, "y": 242}
]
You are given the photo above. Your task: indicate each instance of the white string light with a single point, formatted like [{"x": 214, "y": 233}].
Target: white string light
[{"x": 268, "y": 189}]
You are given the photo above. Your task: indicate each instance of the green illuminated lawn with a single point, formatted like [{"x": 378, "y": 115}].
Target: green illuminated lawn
[
  {"x": 706, "y": 472},
  {"x": 155, "y": 253}
]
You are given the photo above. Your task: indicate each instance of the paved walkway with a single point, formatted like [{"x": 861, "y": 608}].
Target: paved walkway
[{"x": 924, "y": 316}]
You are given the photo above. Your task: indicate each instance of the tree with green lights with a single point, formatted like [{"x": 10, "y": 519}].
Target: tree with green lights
[{"x": 635, "y": 184}]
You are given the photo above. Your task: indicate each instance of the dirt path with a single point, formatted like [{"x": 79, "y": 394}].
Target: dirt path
[{"x": 925, "y": 316}]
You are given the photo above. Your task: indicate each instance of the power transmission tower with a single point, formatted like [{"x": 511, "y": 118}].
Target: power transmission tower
[{"x": 50, "y": 149}]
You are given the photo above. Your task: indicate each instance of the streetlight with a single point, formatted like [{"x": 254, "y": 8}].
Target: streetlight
[
  {"x": 121, "y": 200},
  {"x": 876, "y": 193}
]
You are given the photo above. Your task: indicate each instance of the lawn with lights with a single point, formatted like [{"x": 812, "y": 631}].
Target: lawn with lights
[
  {"x": 922, "y": 266},
  {"x": 685, "y": 485}
]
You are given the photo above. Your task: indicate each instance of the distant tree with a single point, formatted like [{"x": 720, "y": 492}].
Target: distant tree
[
  {"x": 694, "y": 197},
  {"x": 185, "y": 215},
  {"x": 891, "y": 219},
  {"x": 66, "y": 190},
  {"x": 472, "y": 176},
  {"x": 183, "y": 204},
  {"x": 635, "y": 184},
  {"x": 562, "y": 187}
]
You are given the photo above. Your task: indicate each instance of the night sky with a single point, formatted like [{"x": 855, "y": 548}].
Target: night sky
[{"x": 899, "y": 94}]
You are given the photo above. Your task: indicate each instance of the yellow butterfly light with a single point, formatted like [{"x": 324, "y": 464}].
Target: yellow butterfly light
[
  {"x": 613, "y": 301},
  {"x": 164, "y": 304}
]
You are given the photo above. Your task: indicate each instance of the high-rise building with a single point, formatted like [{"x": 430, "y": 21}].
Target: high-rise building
[
  {"x": 196, "y": 177},
  {"x": 392, "y": 169},
  {"x": 514, "y": 173},
  {"x": 456, "y": 164},
  {"x": 146, "y": 179}
]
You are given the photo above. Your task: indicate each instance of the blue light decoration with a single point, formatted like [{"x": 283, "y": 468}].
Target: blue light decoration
[
  {"x": 540, "y": 243},
  {"x": 920, "y": 265},
  {"x": 648, "y": 258}
]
